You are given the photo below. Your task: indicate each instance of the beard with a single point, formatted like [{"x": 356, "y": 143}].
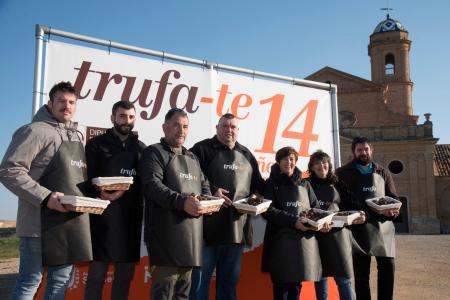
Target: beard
[
  {"x": 123, "y": 129},
  {"x": 363, "y": 160}
]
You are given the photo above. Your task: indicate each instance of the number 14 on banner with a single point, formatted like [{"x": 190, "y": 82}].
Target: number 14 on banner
[{"x": 305, "y": 137}]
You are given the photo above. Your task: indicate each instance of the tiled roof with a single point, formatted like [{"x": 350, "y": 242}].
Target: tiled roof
[{"x": 442, "y": 160}]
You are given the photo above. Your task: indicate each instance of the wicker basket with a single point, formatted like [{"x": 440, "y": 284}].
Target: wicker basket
[
  {"x": 211, "y": 205},
  {"x": 84, "y": 204},
  {"x": 380, "y": 208},
  {"x": 317, "y": 225},
  {"x": 85, "y": 209},
  {"x": 113, "y": 187},
  {"x": 211, "y": 209},
  {"x": 254, "y": 210}
]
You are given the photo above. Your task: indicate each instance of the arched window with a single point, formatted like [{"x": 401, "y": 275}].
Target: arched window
[{"x": 389, "y": 64}]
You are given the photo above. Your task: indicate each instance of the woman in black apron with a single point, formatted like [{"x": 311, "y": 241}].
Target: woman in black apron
[
  {"x": 290, "y": 250},
  {"x": 335, "y": 246}
]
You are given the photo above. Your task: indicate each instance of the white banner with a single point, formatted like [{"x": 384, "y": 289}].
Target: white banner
[{"x": 272, "y": 114}]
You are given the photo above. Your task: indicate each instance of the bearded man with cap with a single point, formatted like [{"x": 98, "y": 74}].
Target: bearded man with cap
[{"x": 366, "y": 179}]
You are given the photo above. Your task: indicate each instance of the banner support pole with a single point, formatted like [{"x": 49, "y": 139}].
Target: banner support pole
[
  {"x": 38, "y": 69},
  {"x": 335, "y": 125}
]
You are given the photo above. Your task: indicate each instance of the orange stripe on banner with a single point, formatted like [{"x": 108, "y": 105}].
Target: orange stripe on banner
[
  {"x": 252, "y": 284},
  {"x": 206, "y": 100}
]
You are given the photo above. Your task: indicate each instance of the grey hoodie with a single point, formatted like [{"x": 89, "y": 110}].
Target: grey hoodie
[{"x": 30, "y": 151}]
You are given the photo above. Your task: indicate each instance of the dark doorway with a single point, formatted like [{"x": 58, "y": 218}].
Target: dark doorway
[{"x": 401, "y": 222}]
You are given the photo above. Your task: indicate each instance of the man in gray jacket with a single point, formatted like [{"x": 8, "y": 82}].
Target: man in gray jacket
[{"x": 44, "y": 160}]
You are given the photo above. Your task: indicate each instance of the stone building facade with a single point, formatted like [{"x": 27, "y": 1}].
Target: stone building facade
[{"x": 381, "y": 109}]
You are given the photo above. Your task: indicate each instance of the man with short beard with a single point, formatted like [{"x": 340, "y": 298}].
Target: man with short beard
[
  {"x": 367, "y": 179},
  {"x": 116, "y": 233}
]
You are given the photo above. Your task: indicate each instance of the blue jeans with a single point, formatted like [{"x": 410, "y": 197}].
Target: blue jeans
[
  {"x": 227, "y": 261},
  {"x": 286, "y": 291},
  {"x": 344, "y": 286},
  {"x": 30, "y": 273}
]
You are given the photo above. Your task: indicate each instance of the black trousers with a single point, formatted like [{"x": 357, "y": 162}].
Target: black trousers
[
  {"x": 123, "y": 274},
  {"x": 386, "y": 270}
]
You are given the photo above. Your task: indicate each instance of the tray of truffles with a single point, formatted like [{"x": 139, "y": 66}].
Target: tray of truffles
[
  {"x": 383, "y": 203},
  {"x": 117, "y": 183},
  {"x": 84, "y": 204},
  {"x": 346, "y": 216},
  {"x": 209, "y": 204},
  {"x": 316, "y": 217},
  {"x": 254, "y": 205}
]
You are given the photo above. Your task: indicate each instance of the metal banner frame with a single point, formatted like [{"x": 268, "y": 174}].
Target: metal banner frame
[{"x": 42, "y": 30}]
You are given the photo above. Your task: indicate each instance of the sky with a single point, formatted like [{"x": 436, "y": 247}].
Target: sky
[{"x": 291, "y": 38}]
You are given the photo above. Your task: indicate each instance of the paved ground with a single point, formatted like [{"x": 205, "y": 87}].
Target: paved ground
[{"x": 422, "y": 269}]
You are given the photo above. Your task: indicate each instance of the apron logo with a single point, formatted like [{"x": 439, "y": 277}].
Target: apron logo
[
  {"x": 78, "y": 163},
  {"x": 188, "y": 176},
  {"x": 131, "y": 172},
  {"x": 369, "y": 189},
  {"x": 230, "y": 167}
]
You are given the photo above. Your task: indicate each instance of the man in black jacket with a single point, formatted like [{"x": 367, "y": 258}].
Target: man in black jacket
[
  {"x": 116, "y": 234},
  {"x": 173, "y": 224},
  {"x": 233, "y": 173},
  {"x": 367, "y": 179}
]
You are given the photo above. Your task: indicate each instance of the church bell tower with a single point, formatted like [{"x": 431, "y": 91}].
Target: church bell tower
[{"x": 389, "y": 54}]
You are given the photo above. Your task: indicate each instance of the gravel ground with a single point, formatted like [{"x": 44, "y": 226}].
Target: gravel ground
[{"x": 422, "y": 269}]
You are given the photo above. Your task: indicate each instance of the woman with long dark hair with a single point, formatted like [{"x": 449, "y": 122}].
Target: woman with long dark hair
[{"x": 335, "y": 246}]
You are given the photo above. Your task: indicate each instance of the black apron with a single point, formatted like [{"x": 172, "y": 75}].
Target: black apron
[
  {"x": 336, "y": 245},
  {"x": 376, "y": 236},
  {"x": 231, "y": 170},
  {"x": 66, "y": 237},
  {"x": 294, "y": 254},
  {"x": 116, "y": 234},
  {"x": 175, "y": 236}
]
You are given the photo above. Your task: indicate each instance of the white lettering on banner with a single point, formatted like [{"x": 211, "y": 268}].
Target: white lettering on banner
[
  {"x": 369, "y": 189},
  {"x": 74, "y": 280},
  {"x": 78, "y": 163},
  {"x": 131, "y": 172},
  {"x": 188, "y": 176},
  {"x": 230, "y": 167}
]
